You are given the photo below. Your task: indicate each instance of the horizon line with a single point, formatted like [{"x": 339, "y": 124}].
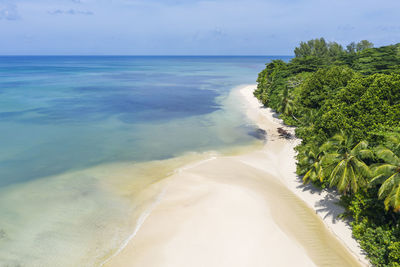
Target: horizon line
[{"x": 105, "y": 55}]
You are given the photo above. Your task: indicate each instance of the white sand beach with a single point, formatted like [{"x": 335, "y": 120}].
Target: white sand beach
[{"x": 243, "y": 210}]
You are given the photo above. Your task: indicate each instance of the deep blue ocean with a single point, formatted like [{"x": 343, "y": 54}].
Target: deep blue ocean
[{"x": 72, "y": 127}]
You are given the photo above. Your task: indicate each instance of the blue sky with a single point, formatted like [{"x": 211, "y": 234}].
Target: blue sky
[{"x": 191, "y": 27}]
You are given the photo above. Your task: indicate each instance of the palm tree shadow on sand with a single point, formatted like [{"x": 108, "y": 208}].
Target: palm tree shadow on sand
[{"x": 329, "y": 206}]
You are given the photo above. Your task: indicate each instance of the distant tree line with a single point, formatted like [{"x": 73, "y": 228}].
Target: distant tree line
[{"x": 321, "y": 48}]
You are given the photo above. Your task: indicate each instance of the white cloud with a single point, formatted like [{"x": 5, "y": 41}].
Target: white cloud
[
  {"x": 8, "y": 10},
  {"x": 70, "y": 12}
]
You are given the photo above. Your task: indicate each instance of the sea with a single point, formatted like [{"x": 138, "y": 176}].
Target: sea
[{"x": 83, "y": 137}]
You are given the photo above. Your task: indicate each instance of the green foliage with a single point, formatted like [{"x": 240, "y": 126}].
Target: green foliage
[
  {"x": 379, "y": 242},
  {"x": 364, "y": 106},
  {"x": 326, "y": 90},
  {"x": 306, "y": 64},
  {"x": 318, "y": 48},
  {"x": 344, "y": 163},
  {"x": 315, "y": 47},
  {"x": 322, "y": 85},
  {"x": 362, "y": 45},
  {"x": 394, "y": 253},
  {"x": 387, "y": 174},
  {"x": 378, "y": 60},
  {"x": 285, "y": 105},
  {"x": 309, "y": 164},
  {"x": 376, "y": 229},
  {"x": 270, "y": 80}
]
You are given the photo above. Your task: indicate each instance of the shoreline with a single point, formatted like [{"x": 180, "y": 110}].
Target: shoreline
[
  {"x": 242, "y": 210},
  {"x": 321, "y": 201}
]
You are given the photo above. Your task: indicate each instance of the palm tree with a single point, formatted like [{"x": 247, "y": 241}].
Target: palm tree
[
  {"x": 343, "y": 163},
  {"x": 393, "y": 141},
  {"x": 264, "y": 98},
  {"x": 388, "y": 174},
  {"x": 286, "y": 105},
  {"x": 310, "y": 164},
  {"x": 308, "y": 117}
]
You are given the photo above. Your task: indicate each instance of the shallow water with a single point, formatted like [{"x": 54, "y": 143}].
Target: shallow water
[{"x": 82, "y": 137}]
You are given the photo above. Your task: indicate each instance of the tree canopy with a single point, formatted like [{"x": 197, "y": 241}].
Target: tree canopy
[{"x": 346, "y": 106}]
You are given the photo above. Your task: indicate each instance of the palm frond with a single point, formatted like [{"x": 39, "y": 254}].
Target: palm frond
[
  {"x": 303, "y": 160},
  {"x": 366, "y": 154},
  {"x": 387, "y": 186},
  {"x": 343, "y": 182},
  {"x": 360, "y": 146},
  {"x": 387, "y": 155},
  {"x": 350, "y": 140},
  {"x": 337, "y": 173},
  {"x": 394, "y": 138},
  {"x": 338, "y": 138},
  {"x": 328, "y": 146},
  {"x": 306, "y": 177},
  {"x": 331, "y": 158},
  {"x": 384, "y": 169},
  {"x": 321, "y": 173},
  {"x": 352, "y": 179},
  {"x": 361, "y": 168},
  {"x": 393, "y": 198},
  {"x": 378, "y": 179},
  {"x": 396, "y": 199}
]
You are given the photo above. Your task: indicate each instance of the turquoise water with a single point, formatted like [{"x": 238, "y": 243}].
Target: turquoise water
[{"x": 78, "y": 134}]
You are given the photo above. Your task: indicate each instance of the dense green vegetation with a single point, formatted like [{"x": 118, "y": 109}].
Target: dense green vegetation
[{"x": 345, "y": 104}]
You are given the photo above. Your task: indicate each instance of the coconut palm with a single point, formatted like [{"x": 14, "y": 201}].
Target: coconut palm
[
  {"x": 283, "y": 101},
  {"x": 308, "y": 118},
  {"x": 393, "y": 141},
  {"x": 264, "y": 98},
  {"x": 286, "y": 104},
  {"x": 343, "y": 163},
  {"x": 310, "y": 164},
  {"x": 388, "y": 175}
]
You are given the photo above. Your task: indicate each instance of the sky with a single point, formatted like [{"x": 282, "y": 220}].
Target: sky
[{"x": 191, "y": 27}]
